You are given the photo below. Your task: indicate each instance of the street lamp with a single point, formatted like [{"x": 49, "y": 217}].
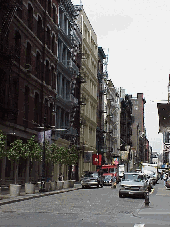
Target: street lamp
[{"x": 43, "y": 177}]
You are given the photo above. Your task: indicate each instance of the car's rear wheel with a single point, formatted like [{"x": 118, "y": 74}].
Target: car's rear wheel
[{"x": 83, "y": 186}]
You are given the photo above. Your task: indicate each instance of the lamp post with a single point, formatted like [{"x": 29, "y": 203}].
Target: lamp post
[{"x": 43, "y": 176}]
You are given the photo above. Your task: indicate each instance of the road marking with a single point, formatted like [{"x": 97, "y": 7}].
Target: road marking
[
  {"x": 160, "y": 212},
  {"x": 139, "y": 225}
]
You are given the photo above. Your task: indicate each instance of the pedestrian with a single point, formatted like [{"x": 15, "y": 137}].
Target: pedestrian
[
  {"x": 60, "y": 177},
  {"x": 164, "y": 178},
  {"x": 161, "y": 176}
]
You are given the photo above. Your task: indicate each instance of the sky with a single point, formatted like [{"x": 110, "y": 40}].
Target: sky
[{"x": 135, "y": 34}]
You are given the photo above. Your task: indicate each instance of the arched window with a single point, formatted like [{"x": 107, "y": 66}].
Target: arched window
[
  {"x": 53, "y": 44},
  {"x": 30, "y": 17},
  {"x": 54, "y": 14},
  {"x": 36, "y": 108},
  {"x": 26, "y": 105},
  {"x": 28, "y": 53},
  {"x": 46, "y": 112},
  {"x": 17, "y": 46},
  {"x": 48, "y": 39},
  {"x": 38, "y": 65},
  {"x": 47, "y": 73},
  {"x": 49, "y": 7},
  {"x": 53, "y": 78},
  {"x": 19, "y": 8},
  {"x": 39, "y": 28}
]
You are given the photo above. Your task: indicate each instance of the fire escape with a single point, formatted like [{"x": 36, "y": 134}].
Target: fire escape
[{"x": 7, "y": 56}]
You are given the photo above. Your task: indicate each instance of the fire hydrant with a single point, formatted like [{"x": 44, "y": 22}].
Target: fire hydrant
[{"x": 146, "y": 195}]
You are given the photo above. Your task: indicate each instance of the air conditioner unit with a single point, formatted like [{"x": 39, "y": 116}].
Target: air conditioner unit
[{"x": 28, "y": 67}]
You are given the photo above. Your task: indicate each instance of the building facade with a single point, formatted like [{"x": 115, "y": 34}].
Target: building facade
[
  {"x": 100, "y": 107},
  {"x": 39, "y": 67},
  {"x": 126, "y": 121},
  {"x": 138, "y": 130},
  {"x": 88, "y": 96}
]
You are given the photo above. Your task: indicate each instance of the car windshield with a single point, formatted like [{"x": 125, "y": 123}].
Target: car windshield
[
  {"x": 112, "y": 170},
  {"x": 105, "y": 170},
  {"x": 108, "y": 177},
  {"x": 91, "y": 175},
  {"x": 130, "y": 177}
]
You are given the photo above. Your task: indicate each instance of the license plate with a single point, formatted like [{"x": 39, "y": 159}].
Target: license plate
[{"x": 131, "y": 193}]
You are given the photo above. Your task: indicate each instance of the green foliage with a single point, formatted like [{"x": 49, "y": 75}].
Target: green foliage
[
  {"x": 16, "y": 150},
  {"x": 48, "y": 152},
  {"x": 62, "y": 155},
  {"x": 72, "y": 155},
  {"x": 2, "y": 144},
  {"x": 32, "y": 149}
]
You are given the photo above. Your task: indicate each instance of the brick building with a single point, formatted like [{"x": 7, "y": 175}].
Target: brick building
[{"x": 37, "y": 69}]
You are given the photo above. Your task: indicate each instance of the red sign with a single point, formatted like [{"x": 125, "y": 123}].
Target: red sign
[{"x": 97, "y": 159}]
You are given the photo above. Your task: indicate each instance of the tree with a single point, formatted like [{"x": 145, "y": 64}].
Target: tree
[
  {"x": 72, "y": 158},
  {"x": 15, "y": 151},
  {"x": 2, "y": 145},
  {"x": 32, "y": 152},
  {"x": 64, "y": 155}
]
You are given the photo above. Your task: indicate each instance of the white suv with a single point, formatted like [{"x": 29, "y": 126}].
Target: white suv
[{"x": 133, "y": 184}]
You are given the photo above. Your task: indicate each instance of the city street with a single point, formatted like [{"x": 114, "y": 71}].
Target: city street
[{"x": 89, "y": 207}]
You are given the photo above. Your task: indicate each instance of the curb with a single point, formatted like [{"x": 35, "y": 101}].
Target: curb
[
  {"x": 141, "y": 206},
  {"x": 27, "y": 197}
]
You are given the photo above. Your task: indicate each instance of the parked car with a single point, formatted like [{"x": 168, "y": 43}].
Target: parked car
[
  {"x": 133, "y": 184},
  {"x": 108, "y": 180},
  {"x": 92, "y": 179},
  {"x": 168, "y": 183}
]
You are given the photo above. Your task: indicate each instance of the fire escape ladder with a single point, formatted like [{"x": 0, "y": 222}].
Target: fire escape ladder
[{"x": 7, "y": 20}]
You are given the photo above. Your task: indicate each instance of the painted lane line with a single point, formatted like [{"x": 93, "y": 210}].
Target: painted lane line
[{"x": 139, "y": 225}]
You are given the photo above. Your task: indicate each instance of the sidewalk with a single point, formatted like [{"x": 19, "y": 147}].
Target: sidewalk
[
  {"x": 159, "y": 201},
  {"x": 5, "y": 197}
]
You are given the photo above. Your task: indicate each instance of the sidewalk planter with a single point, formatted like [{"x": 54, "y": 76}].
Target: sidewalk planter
[
  {"x": 29, "y": 188},
  {"x": 39, "y": 185},
  {"x": 71, "y": 183},
  {"x": 15, "y": 189},
  {"x": 60, "y": 185},
  {"x": 47, "y": 186},
  {"x": 66, "y": 184},
  {"x": 53, "y": 185}
]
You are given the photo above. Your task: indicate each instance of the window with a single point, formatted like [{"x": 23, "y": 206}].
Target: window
[
  {"x": 26, "y": 105},
  {"x": 53, "y": 78},
  {"x": 46, "y": 112},
  {"x": 38, "y": 66},
  {"x": 28, "y": 54},
  {"x": 3, "y": 92},
  {"x": 19, "y": 8},
  {"x": 30, "y": 17},
  {"x": 17, "y": 46},
  {"x": 54, "y": 14},
  {"x": 48, "y": 39},
  {"x": 58, "y": 83},
  {"x": 39, "y": 28},
  {"x": 36, "y": 108},
  {"x": 47, "y": 73},
  {"x": 49, "y": 7},
  {"x": 53, "y": 44},
  {"x": 51, "y": 118}
]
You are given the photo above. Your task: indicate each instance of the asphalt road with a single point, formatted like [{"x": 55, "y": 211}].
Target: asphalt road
[{"x": 84, "y": 207}]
